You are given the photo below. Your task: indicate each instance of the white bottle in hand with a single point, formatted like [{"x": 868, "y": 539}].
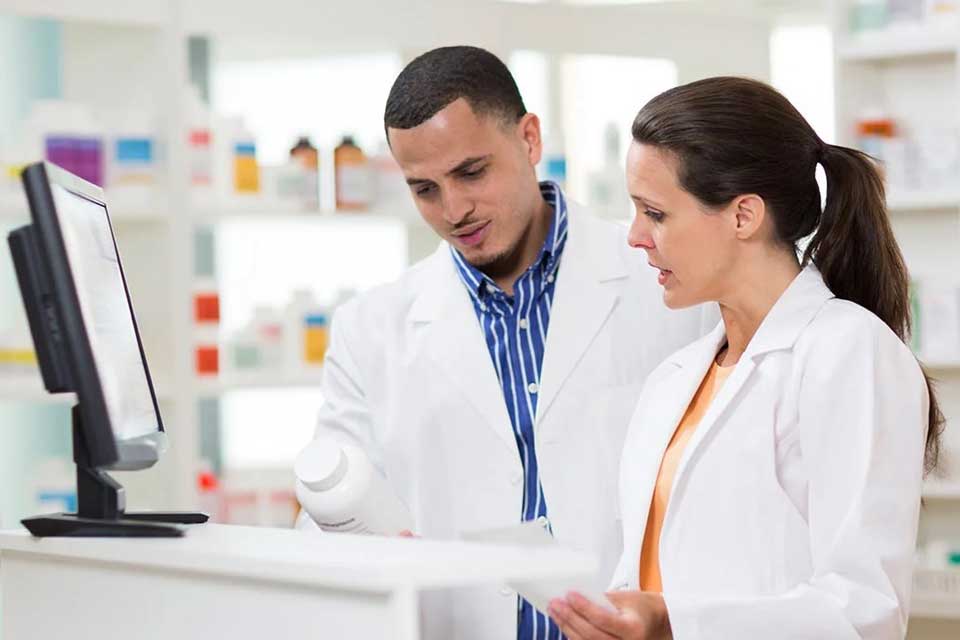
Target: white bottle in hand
[{"x": 342, "y": 492}]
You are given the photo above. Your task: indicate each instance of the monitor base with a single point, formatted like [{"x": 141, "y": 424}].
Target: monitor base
[{"x": 132, "y": 525}]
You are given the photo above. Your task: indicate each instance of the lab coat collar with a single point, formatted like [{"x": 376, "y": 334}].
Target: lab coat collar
[
  {"x": 584, "y": 298},
  {"x": 786, "y": 320}
]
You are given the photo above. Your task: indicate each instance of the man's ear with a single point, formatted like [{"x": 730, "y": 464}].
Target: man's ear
[{"x": 528, "y": 130}]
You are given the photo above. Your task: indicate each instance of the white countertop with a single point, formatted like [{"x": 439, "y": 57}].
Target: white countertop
[{"x": 364, "y": 563}]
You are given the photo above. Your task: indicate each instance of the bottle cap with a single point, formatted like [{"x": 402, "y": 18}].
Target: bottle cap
[{"x": 321, "y": 465}]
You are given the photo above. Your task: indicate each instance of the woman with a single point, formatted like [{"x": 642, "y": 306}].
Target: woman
[{"x": 770, "y": 483}]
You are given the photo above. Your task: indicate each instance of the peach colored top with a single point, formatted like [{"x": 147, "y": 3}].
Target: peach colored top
[{"x": 650, "y": 579}]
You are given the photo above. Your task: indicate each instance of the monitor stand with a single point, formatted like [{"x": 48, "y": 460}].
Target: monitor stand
[{"x": 101, "y": 502}]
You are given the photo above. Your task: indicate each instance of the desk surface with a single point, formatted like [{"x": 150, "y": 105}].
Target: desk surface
[{"x": 364, "y": 563}]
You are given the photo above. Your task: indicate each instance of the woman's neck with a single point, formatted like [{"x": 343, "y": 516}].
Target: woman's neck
[{"x": 752, "y": 294}]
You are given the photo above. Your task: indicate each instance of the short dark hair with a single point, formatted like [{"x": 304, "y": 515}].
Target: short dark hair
[{"x": 438, "y": 77}]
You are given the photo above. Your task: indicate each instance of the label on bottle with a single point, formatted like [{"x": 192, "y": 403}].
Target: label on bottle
[
  {"x": 200, "y": 157},
  {"x": 353, "y": 186},
  {"x": 350, "y": 525}
]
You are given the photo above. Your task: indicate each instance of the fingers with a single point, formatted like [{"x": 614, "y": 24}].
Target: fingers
[
  {"x": 406, "y": 533},
  {"x": 573, "y": 625},
  {"x": 598, "y": 616},
  {"x": 620, "y": 599}
]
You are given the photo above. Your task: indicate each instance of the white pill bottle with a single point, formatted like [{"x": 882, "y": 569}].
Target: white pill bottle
[{"x": 342, "y": 492}]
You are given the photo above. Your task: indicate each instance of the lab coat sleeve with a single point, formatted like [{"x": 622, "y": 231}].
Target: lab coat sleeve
[
  {"x": 862, "y": 421},
  {"x": 345, "y": 413}
]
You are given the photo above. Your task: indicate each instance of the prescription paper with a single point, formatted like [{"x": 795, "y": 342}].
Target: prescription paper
[{"x": 539, "y": 593}]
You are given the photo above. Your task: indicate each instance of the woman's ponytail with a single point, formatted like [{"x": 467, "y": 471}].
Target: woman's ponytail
[
  {"x": 734, "y": 136},
  {"x": 856, "y": 252}
]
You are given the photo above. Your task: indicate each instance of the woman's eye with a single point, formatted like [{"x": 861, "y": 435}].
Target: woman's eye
[{"x": 656, "y": 216}]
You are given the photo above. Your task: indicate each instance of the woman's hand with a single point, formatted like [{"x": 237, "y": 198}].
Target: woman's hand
[{"x": 639, "y": 616}]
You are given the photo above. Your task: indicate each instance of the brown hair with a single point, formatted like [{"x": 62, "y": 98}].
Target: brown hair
[{"x": 733, "y": 136}]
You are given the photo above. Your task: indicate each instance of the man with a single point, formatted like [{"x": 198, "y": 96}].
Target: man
[{"x": 493, "y": 382}]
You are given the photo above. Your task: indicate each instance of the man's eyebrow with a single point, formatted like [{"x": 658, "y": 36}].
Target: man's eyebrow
[
  {"x": 466, "y": 163},
  {"x": 457, "y": 169}
]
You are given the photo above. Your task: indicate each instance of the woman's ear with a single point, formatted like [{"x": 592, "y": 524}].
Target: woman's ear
[{"x": 750, "y": 211}]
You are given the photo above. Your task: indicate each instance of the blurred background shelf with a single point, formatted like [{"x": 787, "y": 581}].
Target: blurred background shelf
[
  {"x": 901, "y": 42},
  {"x": 941, "y": 490},
  {"x": 28, "y": 387},
  {"x": 923, "y": 200},
  {"x": 228, "y": 382}
]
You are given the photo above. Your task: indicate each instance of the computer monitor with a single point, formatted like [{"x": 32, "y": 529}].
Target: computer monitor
[{"x": 85, "y": 333}]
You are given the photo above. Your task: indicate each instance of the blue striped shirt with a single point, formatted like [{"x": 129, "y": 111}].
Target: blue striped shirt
[{"x": 515, "y": 329}]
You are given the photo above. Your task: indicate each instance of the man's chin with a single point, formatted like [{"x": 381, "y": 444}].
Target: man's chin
[{"x": 479, "y": 256}]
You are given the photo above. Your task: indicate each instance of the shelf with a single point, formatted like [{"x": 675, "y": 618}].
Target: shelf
[
  {"x": 941, "y": 490},
  {"x": 123, "y": 209},
  {"x": 941, "y": 366},
  {"x": 258, "y": 210},
  {"x": 236, "y": 381},
  {"x": 917, "y": 201},
  {"x": 936, "y": 593},
  {"x": 28, "y": 387},
  {"x": 931, "y": 608},
  {"x": 111, "y": 12},
  {"x": 901, "y": 42}
]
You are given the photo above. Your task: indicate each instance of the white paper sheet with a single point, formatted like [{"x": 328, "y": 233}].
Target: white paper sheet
[{"x": 539, "y": 593}]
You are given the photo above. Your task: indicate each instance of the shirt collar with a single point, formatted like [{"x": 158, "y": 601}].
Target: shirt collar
[{"x": 480, "y": 284}]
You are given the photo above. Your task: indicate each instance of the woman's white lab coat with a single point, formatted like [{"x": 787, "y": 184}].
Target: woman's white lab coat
[{"x": 794, "y": 509}]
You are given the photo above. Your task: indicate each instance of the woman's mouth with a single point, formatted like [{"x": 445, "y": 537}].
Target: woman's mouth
[{"x": 663, "y": 275}]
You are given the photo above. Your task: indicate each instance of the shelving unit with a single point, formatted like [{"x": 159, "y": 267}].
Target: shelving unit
[
  {"x": 941, "y": 490},
  {"x": 117, "y": 52},
  {"x": 912, "y": 72},
  {"x": 28, "y": 387},
  {"x": 923, "y": 200},
  {"x": 899, "y": 42},
  {"x": 235, "y": 381}
]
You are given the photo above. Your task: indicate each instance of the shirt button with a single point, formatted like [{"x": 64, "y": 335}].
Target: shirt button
[
  {"x": 523, "y": 323},
  {"x": 532, "y": 387},
  {"x": 483, "y": 307},
  {"x": 550, "y": 278}
]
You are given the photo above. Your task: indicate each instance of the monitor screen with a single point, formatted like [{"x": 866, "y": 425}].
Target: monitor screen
[{"x": 107, "y": 313}]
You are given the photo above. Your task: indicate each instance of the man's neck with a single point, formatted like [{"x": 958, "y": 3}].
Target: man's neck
[{"x": 506, "y": 273}]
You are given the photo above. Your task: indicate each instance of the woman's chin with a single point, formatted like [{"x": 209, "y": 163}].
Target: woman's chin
[{"x": 674, "y": 299}]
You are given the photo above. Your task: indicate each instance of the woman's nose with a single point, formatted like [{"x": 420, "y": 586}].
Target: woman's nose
[{"x": 639, "y": 236}]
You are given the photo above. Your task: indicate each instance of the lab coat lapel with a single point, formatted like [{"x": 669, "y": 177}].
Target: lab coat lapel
[
  {"x": 793, "y": 311},
  {"x": 585, "y": 295},
  {"x": 455, "y": 342},
  {"x": 665, "y": 402}
]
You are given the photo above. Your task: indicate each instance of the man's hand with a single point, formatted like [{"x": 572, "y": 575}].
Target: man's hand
[{"x": 639, "y": 616}]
